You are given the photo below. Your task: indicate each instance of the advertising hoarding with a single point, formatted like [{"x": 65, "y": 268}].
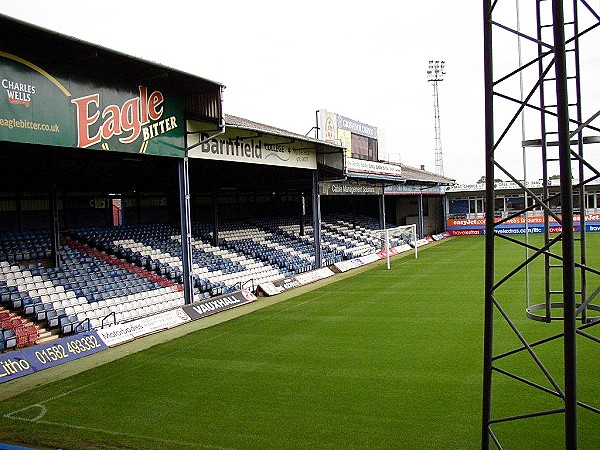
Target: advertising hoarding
[
  {"x": 338, "y": 130},
  {"x": 38, "y": 107},
  {"x": 248, "y": 147},
  {"x": 518, "y": 225}
]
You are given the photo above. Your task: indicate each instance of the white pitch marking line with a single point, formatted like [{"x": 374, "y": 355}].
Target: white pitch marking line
[
  {"x": 15, "y": 414},
  {"x": 117, "y": 433}
]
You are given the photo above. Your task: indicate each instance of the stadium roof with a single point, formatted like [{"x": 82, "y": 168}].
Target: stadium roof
[
  {"x": 421, "y": 175},
  {"x": 330, "y": 156},
  {"x": 246, "y": 124},
  {"x": 409, "y": 174},
  {"x": 60, "y": 53},
  {"x": 82, "y": 60}
]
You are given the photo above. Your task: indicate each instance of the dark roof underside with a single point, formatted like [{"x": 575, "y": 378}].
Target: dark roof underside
[{"x": 27, "y": 168}]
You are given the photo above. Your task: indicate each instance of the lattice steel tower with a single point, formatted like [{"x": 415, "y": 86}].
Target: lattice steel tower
[
  {"x": 435, "y": 74},
  {"x": 539, "y": 375}
]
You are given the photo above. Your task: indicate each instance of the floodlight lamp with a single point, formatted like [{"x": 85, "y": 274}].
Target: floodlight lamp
[{"x": 437, "y": 69}]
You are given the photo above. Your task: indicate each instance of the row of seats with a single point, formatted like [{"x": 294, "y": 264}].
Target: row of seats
[
  {"x": 266, "y": 240},
  {"x": 77, "y": 295},
  {"x": 215, "y": 270},
  {"x": 116, "y": 274},
  {"x": 18, "y": 247}
]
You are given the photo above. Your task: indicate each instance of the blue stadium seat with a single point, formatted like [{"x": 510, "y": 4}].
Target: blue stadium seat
[{"x": 9, "y": 339}]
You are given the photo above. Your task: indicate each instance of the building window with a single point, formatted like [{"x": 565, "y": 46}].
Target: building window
[
  {"x": 364, "y": 147},
  {"x": 458, "y": 208}
]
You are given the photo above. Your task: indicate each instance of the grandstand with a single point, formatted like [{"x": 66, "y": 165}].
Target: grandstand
[
  {"x": 114, "y": 275},
  {"x": 118, "y": 225}
]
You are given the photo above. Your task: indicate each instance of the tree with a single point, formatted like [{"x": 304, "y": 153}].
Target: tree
[{"x": 483, "y": 178}]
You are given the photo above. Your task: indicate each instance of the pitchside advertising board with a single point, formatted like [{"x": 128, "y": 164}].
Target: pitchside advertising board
[
  {"x": 38, "y": 107},
  {"x": 18, "y": 363},
  {"x": 517, "y": 225}
]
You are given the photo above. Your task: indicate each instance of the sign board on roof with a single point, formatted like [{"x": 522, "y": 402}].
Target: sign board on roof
[
  {"x": 357, "y": 127},
  {"x": 361, "y": 166},
  {"x": 506, "y": 185},
  {"x": 414, "y": 189},
  {"x": 247, "y": 146},
  {"x": 338, "y": 130},
  {"x": 38, "y": 107},
  {"x": 349, "y": 187}
]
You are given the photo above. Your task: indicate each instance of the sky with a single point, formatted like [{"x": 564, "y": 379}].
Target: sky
[{"x": 282, "y": 61}]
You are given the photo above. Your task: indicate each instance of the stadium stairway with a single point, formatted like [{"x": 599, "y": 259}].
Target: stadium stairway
[{"x": 19, "y": 332}]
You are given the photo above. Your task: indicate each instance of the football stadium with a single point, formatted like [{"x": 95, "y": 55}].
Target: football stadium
[{"x": 174, "y": 276}]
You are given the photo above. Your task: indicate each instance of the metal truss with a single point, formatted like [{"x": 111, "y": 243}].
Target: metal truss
[{"x": 544, "y": 92}]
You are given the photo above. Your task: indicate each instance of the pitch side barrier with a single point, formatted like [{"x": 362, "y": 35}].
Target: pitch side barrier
[
  {"x": 277, "y": 287},
  {"x": 19, "y": 363}
]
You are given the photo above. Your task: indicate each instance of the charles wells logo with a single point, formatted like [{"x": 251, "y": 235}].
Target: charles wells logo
[
  {"x": 18, "y": 93},
  {"x": 138, "y": 116}
]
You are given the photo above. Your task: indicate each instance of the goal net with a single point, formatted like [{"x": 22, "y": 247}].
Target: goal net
[{"x": 398, "y": 240}]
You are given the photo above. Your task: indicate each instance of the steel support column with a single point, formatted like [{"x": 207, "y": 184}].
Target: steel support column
[
  {"x": 382, "y": 212},
  {"x": 420, "y": 219},
  {"x": 55, "y": 238},
  {"x": 215, "y": 205},
  {"x": 568, "y": 243},
  {"x": 488, "y": 329},
  {"x": 186, "y": 229},
  {"x": 302, "y": 213},
  {"x": 316, "y": 201}
]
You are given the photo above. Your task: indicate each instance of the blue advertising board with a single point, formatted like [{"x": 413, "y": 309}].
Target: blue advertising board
[{"x": 22, "y": 362}]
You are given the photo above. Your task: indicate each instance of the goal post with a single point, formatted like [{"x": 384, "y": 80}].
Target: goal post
[{"x": 403, "y": 235}]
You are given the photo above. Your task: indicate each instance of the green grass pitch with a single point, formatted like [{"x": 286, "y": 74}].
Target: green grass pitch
[{"x": 380, "y": 360}]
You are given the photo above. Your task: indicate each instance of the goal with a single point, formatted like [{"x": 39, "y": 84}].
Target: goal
[{"x": 397, "y": 240}]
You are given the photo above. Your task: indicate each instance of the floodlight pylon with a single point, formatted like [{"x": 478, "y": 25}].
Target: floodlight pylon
[{"x": 435, "y": 75}]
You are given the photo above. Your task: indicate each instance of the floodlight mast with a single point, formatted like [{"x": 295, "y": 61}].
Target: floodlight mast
[{"x": 435, "y": 74}]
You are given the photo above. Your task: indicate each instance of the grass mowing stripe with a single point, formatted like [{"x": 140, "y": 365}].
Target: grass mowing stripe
[
  {"x": 206, "y": 340},
  {"x": 14, "y": 415}
]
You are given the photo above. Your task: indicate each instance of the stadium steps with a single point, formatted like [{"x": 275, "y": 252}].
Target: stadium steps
[
  {"x": 27, "y": 332},
  {"x": 47, "y": 335}
]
